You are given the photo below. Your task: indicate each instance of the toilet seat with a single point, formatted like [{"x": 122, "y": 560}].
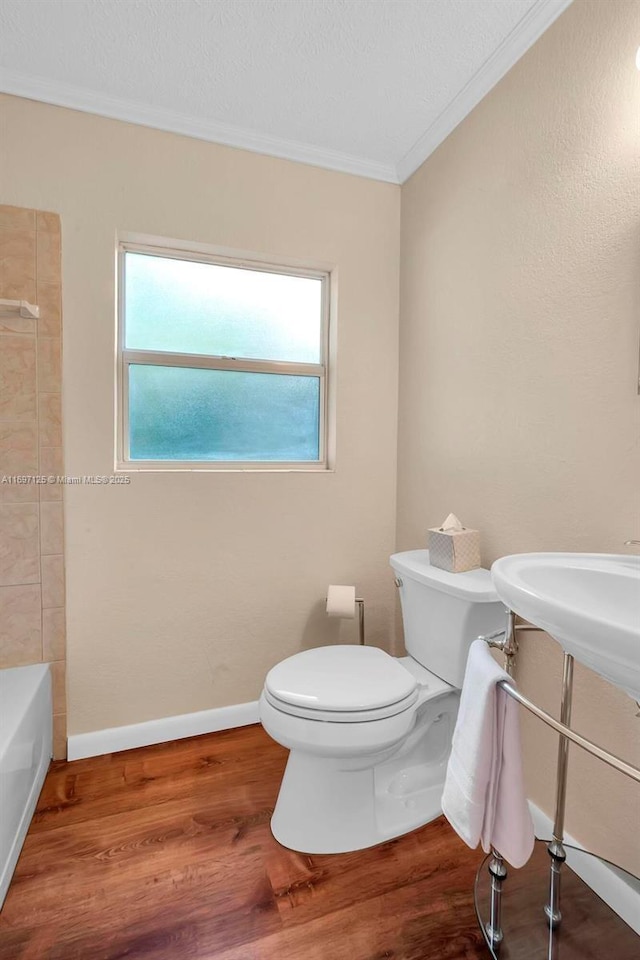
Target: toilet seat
[
  {"x": 341, "y": 716},
  {"x": 341, "y": 684}
]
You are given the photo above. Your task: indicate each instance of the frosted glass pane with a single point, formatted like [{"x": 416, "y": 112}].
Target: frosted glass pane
[
  {"x": 180, "y": 413},
  {"x": 182, "y": 306}
]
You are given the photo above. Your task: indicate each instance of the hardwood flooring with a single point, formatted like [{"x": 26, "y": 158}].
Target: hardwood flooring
[{"x": 165, "y": 853}]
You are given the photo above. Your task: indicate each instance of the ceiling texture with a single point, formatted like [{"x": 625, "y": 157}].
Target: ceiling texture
[{"x": 369, "y": 87}]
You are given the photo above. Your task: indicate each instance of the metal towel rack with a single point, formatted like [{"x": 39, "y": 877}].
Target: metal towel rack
[
  {"x": 572, "y": 735},
  {"x": 506, "y": 641}
]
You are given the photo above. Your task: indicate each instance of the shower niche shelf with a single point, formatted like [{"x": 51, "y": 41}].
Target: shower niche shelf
[{"x": 19, "y": 308}]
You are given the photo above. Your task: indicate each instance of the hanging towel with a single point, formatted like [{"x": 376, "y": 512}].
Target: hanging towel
[{"x": 484, "y": 798}]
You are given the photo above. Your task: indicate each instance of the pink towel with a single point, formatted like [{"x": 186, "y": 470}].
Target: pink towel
[{"x": 484, "y": 798}]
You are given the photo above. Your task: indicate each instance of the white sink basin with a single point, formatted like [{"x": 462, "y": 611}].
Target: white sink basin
[{"x": 588, "y": 602}]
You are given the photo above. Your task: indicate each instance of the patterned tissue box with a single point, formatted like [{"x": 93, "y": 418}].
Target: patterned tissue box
[{"x": 454, "y": 550}]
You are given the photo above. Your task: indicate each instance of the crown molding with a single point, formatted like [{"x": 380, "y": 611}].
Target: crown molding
[
  {"x": 131, "y": 111},
  {"x": 540, "y": 16},
  {"x": 538, "y": 19}
]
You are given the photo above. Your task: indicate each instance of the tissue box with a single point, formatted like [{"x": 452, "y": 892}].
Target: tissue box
[{"x": 454, "y": 550}]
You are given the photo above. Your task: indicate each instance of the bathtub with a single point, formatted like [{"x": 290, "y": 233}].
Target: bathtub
[{"x": 25, "y": 752}]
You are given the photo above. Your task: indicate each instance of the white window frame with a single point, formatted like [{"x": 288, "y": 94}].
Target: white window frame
[{"x": 126, "y": 357}]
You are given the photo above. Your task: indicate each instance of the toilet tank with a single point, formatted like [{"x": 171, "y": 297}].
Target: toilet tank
[{"x": 444, "y": 612}]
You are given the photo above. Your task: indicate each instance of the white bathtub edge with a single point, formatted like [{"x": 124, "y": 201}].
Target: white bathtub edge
[
  {"x": 8, "y": 866},
  {"x": 112, "y": 739},
  {"x": 29, "y": 810},
  {"x": 622, "y": 897}
]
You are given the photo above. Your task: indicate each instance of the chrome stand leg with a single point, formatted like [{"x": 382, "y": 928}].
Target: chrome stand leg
[
  {"x": 497, "y": 868},
  {"x": 558, "y": 857},
  {"x": 498, "y": 874},
  {"x": 556, "y": 848}
]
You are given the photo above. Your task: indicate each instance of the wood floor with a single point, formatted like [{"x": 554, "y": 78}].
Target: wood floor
[{"x": 165, "y": 853}]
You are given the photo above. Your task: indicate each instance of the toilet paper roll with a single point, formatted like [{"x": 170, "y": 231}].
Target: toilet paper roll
[{"x": 341, "y": 601}]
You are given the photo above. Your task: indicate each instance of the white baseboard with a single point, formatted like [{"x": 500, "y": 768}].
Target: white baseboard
[
  {"x": 99, "y": 742},
  {"x": 622, "y": 896}
]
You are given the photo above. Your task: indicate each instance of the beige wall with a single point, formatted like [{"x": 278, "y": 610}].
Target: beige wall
[
  {"x": 32, "y": 616},
  {"x": 183, "y": 589},
  {"x": 520, "y": 320},
  {"x": 519, "y": 351}
]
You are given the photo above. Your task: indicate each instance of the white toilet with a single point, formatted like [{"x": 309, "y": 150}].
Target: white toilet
[{"x": 370, "y": 734}]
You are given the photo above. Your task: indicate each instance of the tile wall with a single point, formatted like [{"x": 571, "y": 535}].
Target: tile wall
[{"x": 32, "y": 613}]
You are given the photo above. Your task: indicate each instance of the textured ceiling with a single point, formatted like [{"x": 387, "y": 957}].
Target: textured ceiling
[{"x": 363, "y": 79}]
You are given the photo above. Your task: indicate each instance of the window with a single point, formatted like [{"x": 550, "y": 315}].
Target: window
[{"x": 222, "y": 362}]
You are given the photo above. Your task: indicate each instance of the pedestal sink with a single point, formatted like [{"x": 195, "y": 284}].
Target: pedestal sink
[{"x": 588, "y": 602}]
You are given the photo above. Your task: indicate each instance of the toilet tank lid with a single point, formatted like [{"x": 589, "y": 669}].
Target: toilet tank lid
[{"x": 475, "y": 586}]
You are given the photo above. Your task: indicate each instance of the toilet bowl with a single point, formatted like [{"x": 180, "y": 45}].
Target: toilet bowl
[
  {"x": 356, "y": 777},
  {"x": 369, "y": 734}
]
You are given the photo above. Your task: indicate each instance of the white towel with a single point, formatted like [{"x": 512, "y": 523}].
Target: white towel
[{"x": 484, "y": 798}]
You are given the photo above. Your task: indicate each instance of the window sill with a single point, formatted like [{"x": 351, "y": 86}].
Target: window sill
[{"x": 175, "y": 467}]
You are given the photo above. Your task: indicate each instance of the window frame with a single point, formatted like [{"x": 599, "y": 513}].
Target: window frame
[{"x": 126, "y": 357}]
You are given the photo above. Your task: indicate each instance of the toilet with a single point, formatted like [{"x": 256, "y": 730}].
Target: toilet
[{"x": 369, "y": 734}]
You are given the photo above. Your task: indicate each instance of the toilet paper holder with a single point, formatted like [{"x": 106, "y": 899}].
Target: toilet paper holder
[{"x": 359, "y": 604}]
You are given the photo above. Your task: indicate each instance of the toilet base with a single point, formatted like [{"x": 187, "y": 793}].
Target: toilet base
[{"x": 335, "y": 805}]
